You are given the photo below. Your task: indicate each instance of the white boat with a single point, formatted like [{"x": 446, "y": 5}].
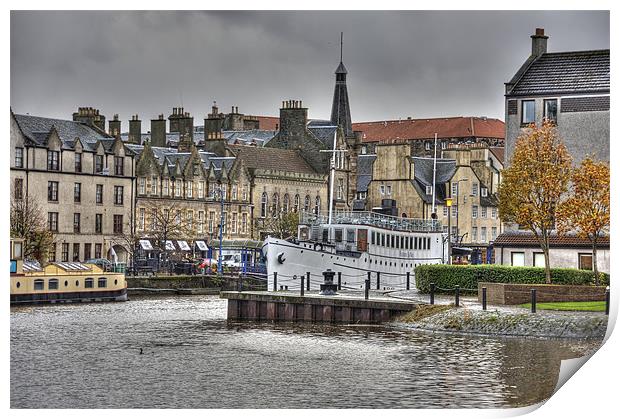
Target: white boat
[{"x": 354, "y": 244}]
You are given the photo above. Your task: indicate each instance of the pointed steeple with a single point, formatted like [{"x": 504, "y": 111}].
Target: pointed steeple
[{"x": 341, "y": 113}]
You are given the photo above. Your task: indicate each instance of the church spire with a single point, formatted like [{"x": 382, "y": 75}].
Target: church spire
[{"x": 341, "y": 114}]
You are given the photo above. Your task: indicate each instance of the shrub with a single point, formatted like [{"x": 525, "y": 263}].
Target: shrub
[{"x": 468, "y": 276}]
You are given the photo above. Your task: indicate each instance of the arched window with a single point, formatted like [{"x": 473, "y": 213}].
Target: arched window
[
  {"x": 317, "y": 205},
  {"x": 285, "y": 204},
  {"x": 274, "y": 205},
  {"x": 307, "y": 203},
  {"x": 38, "y": 285},
  {"x": 52, "y": 284},
  {"x": 263, "y": 205},
  {"x": 296, "y": 205}
]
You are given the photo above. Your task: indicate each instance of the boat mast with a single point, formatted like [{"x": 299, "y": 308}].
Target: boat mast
[
  {"x": 331, "y": 180},
  {"x": 434, "y": 173}
]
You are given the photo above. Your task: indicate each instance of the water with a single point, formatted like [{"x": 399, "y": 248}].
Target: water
[{"x": 88, "y": 356}]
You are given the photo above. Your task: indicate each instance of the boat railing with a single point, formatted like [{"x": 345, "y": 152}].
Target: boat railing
[{"x": 372, "y": 219}]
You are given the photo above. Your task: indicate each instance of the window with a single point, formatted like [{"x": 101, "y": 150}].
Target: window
[
  {"x": 454, "y": 210},
  {"x": 78, "y": 162},
  {"x": 154, "y": 181},
  {"x": 429, "y": 190},
  {"x": 87, "y": 250},
  {"x": 211, "y": 191},
  {"x": 224, "y": 221},
  {"x": 142, "y": 186},
  {"x": 493, "y": 212},
  {"x": 178, "y": 186},
  {"x": 274, "y": 205},
  {"x": 454, "y": 232},
  {"x": 118, "y": 195},
  {"x": 76, "y": 222},
  {"x": 119, "y": 166},
  {"x": 551, "y": 110},
  {"x": 296, "y": 203},
  {"x": 76, "y": 252},
  {"x": 382, "y": 189},
  {"x": 474, "y": 234},
  {"x": 455, "y": 189},
  {"x": 97, "y": 250},
  {"x": 99, "y": 194},
  {"x": 141, "y": 216},
  {"x": 538, "y": 259},
  {"x": 317, "y": 205},
  {"x": 52, "y": 160},
  {"x": 517, "y": 258},
  {"x": 201, "y": 220},
  {"x": 483, "y": 234},
  {"x": 223, "y": 191},
  {"x": 52, "y": 284},
  {"x": 18, "y": 192},
  {"x": 98, "y": 223},
  {"x": 98, "y": 163},
  {"x": 165, "y": 188},
  {"x": 307, "y": 203},
  {"x": 474, "y": 189},
  {"x": 189, "y": 189},
  {"x": 585, "y": 261},
  {"x": 474, "y": 211},
  {"x": 201, "y": 189},
  {"x": 528, "y": 114},
  {"x": 19, "y": 157},
  {"x": 211, "y": 220},
  {"x": 234, "y": 192},
  {"x": 52, "y": 221},
  {"x": 39, "y": 285},
  {"x": 118, "y": 224},
  {"x": 484, "y": 191},
  {"x": 233, "y": 223},
  {"x": 483, "y": 212},
  {"x": 263, "y": 205},
  {"x": 445, "y": 210},
  {"x": 427, "y": 145},
  {"x": 64, "y": 257},
  {"x": 154, "y": 218},
  {"x": 244, "y": 193},
  {"x": 89, "y": 283},
  {"x": 389, "y": 189},
  {"x": 340, "y": 193},
  {"x": 52, "y": 191},
  {"x": 190, "y": 219},
  {"x": 51, "y": 256},
  {"x": 102, "y": 283},
  {"x": 285, "y": 204},
  {"x": 337, "y": 235},
  {"x": 244, "y": 222},
  {"x": 493, "y": 233},
  {"x": 77, "y": 192},
  {"x": 350, "y": 236}
]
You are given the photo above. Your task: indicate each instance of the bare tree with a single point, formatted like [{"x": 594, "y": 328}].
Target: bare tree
[
  {"x": 28, "y": 222},
  {"x": 165, "y": 223}
]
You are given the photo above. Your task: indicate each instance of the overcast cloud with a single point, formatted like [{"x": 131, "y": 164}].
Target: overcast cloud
[{"x": 418, "y": 64}]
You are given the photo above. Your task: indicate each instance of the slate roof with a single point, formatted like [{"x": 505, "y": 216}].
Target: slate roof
[
  {"x": 325, "y": 133},
  {"x": 425, "y": 129},
  {"x": 527, "y": 239},
  {"x": 423, "y": 176},
  {"x": 272, "y": 158},
  {"x": 259, "y": 137},
  {"x": 565, "y": 73},
  {"x": 37, "y": 129},
  {"x": 364, "y": 171}
]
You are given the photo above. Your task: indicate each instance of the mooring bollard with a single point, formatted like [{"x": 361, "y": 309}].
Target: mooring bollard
[
  {"x": 339, "y": 281},
  {"x": 275, "y": 281},
  {"x": 533, "y": 301},
  {"x": 378, "y": 280},
  {"x": 484, "y": 298},
  {"x": 281, "y": 287},
  {"x": 307, "y": 281},
  {"x": 432, "y": 293},
  {"x": 301, "y": 287},
  {"x": 408, "y": 278},
  {"x": 366, "y": 287},
  {"x": 286, "y": 288},
  {"x": 607, "y": 301},
  {"x": 457, "y": 292}
]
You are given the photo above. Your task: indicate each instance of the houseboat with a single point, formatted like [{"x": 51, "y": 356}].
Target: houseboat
[
  {"x": 62, "y": 282},
  {"x": 354, "y": 244}
]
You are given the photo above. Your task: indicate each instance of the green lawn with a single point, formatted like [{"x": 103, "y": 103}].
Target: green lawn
[{"x": 570, "y": 306}]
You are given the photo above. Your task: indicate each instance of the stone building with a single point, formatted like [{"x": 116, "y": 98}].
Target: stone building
[
  {"x": 81, "y": 177},
  {"x": 569, "y": 88}
]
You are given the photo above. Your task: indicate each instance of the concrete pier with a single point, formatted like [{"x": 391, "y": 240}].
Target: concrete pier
[{"x": 273, "y": 306}]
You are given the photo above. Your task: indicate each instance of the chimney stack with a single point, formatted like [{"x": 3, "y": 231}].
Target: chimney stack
[
  {"x": 135, "y": 130},
  {"x": 539, "y": 42},
  {"x": 114, "y": 126},
  {"x": 158, "y": 131},
  {"x": 293, "y": 119}
]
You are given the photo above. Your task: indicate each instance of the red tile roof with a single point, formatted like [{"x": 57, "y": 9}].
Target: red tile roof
[
  {"x": 269, "y": 123},
  {"x": 418, "y": 129},
  {"x": 527, "y": 239},
  {"x": 498, "y": 152}
]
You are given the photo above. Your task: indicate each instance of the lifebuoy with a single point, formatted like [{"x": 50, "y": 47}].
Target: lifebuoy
[
  {"x": 318, "y": 246},
  {"x": 281, "y": 258}
]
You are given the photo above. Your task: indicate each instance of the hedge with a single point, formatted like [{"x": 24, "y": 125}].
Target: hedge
[{"x": 468, "y": 276}]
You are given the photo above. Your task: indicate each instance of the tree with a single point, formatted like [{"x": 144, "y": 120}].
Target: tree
[
  {"x": 284, "y": 226},
  {"x": 535, "y": 182},
  {"x": 586, "y": 211},
  {"x": 28, "y": 222}
]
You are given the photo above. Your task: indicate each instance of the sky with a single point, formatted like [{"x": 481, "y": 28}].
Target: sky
[{"x": 418, "y": 64}]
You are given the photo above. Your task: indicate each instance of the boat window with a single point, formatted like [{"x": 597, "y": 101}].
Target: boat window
[
  {"x": 116, "y": 280},
  {"x": 102, "y": 283},
  {"x": 411, "y": 243},
  {"x": 77, "y": 283},
  {"x": 350, "y": 236},
  {"x": 397, "y": 242},
  {"x": 66, "y": 283},
  {"x": 372, "y": 237},
  {"x": 38, "y": 285},
  {"x": 338, "y": 235},
  {"x": 407, "y": 243},
  {"x": 392, "y": 240},
  {"x": 325, "y": 235},
  {"x": 52, "y": 284},
  {"x": 18, "y": 284},
  {"x": 415, "y": 243},
  {"x": 382, "y": 239},
  {"x": 88, "y": 283},
  {"x": 402, "y": 242}
]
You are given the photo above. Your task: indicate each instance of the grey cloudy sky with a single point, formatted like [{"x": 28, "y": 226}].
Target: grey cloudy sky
[{"x": 414, "y": 63}]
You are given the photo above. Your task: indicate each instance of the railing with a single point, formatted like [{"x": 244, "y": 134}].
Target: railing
[{"x": 373, "y": 219}]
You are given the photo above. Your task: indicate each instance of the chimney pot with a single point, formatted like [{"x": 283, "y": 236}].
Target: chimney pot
[{"x": 540, "y": 31}]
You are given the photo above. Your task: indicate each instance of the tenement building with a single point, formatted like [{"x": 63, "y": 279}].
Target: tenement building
[
  {"x": 571, "y": 89},
  {"x": 80, "y": 177}
]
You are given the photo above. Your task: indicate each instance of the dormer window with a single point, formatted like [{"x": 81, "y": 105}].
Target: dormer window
[
  {"x": 427, "y": 146},
  {"x": 429, "y": 190},
  {"x": 78, "y": 162},
  {"x": 364, "y": 149},
  {"x": 119, "y": 166},
  {"x": 483, "y": 191},
  {"x": 98, "y": 163},
  {"x": 19, "y": 157},
  {"x": 53, "y": 160}
]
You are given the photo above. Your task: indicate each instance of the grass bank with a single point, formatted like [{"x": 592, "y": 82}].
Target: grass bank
[{"x": 569, "y": 306}]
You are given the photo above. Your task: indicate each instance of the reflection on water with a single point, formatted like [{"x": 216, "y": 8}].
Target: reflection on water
[{"x": 88, "y": 356}]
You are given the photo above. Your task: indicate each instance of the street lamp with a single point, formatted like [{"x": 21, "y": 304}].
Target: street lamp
[
  {"x": 458, "y": 191},
  {"x": 449, "y": 204}
]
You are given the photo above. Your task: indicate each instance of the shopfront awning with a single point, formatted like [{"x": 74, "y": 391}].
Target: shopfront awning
[
  {"x": 202, "y": 245},
  {"x": 183, "y": 245},
  {"x": 170, "y": 245},
  {"x": 146, "y": 245}
]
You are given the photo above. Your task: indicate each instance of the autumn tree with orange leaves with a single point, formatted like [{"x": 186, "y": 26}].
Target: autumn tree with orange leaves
[
  {"x": 534, "y": 184},
  {"x": 586, "y": 211}
]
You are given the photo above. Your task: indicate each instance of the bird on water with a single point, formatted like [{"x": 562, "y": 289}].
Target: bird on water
[{"x": 140, "y": 351}]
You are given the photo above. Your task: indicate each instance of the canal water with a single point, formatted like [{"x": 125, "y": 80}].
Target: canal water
[{"x": 88, "y": 356}]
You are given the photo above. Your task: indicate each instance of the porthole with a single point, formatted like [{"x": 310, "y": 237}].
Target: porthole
[
  {"x": 365, "y": 260},
  {"x": 77, "y": 283},
  {"x": 66, "y": 283},
  {"x": 116, "y": 282},
  {"x": 302, "y": 251},
  {"x": 18, "y": 285}
]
